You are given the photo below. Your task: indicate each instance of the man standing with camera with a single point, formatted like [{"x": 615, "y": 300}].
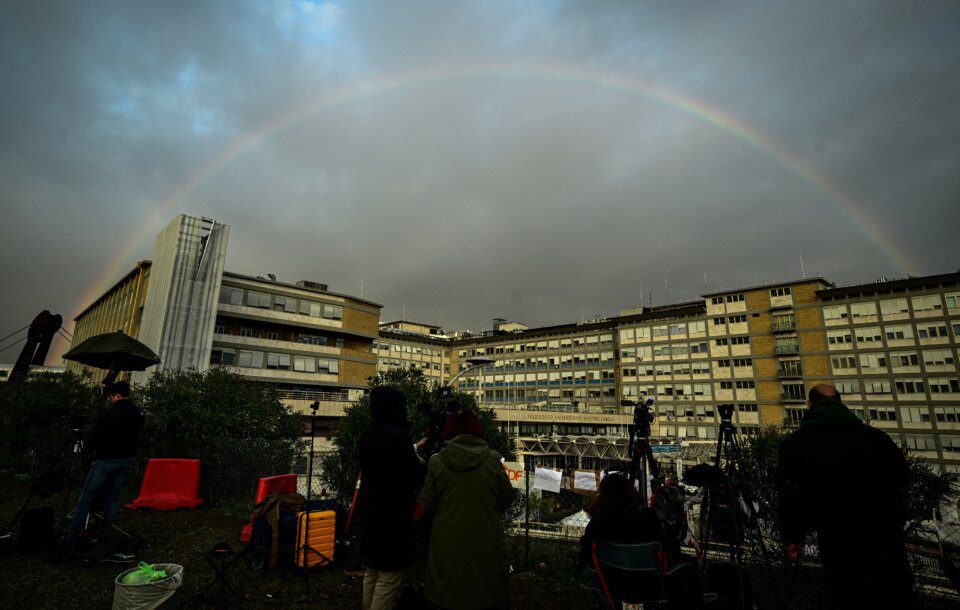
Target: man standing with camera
[
  {"x": 113, "y": 441},
  {"x": 847, "y": 481}
]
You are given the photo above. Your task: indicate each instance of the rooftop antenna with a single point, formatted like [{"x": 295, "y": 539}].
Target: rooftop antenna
[
  {"x": 803, "y": 272},
  {"x": 666, "y": 291},
  {"x": 361, "y": 286},
  {"x": 705, "y": 281}
]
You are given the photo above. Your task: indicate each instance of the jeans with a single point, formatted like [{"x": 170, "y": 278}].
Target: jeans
[{"x": 104, "y": 481}]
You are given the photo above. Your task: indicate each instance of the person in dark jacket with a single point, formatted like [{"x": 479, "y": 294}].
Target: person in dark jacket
[
  {"x": 113, "y": 441},
  {"x": 467, "y": 491},
  {"x": 618, "y": 515},
  {"x": 389, "y": 474},
  {"x": 847, "y": 481}
]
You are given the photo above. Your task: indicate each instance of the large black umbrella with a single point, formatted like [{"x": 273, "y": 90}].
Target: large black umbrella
[{"x": 115, "y": 351}]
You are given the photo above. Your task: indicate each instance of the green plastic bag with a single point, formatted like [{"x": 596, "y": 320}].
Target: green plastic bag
[{"x": 143, "y": 574}]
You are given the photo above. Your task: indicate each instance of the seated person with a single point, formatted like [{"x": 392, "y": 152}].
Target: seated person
[{"x": 618, "y": 515}]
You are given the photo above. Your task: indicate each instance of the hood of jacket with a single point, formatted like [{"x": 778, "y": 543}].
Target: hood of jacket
[
  {"x": 830, "y": 415},
  {"x": 465, "y": 452}
]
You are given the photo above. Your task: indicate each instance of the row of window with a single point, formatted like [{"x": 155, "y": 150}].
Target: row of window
[
  {"x": 570, "y": 343},
  {"x": 264, "y": 300},
  {"x": 407, "y": 349},
  {"x": 892, "y": 307},
  {"x": 868, "y": 335},
  {"x": 271, "y": 360},
  {"x": 730, "y": 298},
  {"x": 932, "y": 357},
  {"x": 935, "y": 385}
]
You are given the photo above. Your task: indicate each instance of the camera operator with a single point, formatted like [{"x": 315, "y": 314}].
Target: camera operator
[{"x": 113, "y": 442}]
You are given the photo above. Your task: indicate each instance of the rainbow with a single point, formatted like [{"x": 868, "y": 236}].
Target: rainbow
[{"x": 854, "y": 213}]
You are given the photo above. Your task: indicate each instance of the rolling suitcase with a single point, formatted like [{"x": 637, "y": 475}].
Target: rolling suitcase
[{"x": 315, "y": 538}]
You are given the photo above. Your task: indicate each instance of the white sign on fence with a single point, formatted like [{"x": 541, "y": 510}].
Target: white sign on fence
[
  {"x": 585, "y": 480},
  {"x": 547, "y": 479}
]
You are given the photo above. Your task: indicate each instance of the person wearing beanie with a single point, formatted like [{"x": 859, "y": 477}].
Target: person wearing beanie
[
  {"x": 467, "y": 490},
  {"x": 390, "y": 473}
]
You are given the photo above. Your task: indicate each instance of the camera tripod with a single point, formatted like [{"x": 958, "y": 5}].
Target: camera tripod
[
  {"x": 723, "y": 498},
  {"x": 642, "y": 462}
]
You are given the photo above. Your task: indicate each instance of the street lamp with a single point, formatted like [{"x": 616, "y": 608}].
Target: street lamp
[{"x": 475, "y": 362}]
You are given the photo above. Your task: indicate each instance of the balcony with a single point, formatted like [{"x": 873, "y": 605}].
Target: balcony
[
  {"x": 783, "y": 326},
  {"x": 792, "y": 397},
  {"x": 789, "y": 373},
  {"x": 783, "y": 349}
]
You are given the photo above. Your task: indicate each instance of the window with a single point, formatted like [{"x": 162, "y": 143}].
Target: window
[
  {"x": 873, "y": 361},
  {"x": 746, "y": 385},
  {"x": 909, "y": 386},
  {"x": 790, "y": 368},
  {"x": 793, "y": 391},
  {"x": 835, "y": 313},
  {"x": 285, "y": 304},
  {"x": 839, "y": 337},
  {"x": 938, "y": 357},
  {"x": 915, "y": 414},
  {"x": 926, "y": 303},
  {"x": 843, "y": 362},
  {"x": 898, "y": 333},
  {"x": 863, "y": 310},
  {"x": 702, "y": 389},
  {"x": 246, "y": 331},
  {"x": 723, "y": 363},
  {"x": 318, "y": 340},
  {"x": 904, "y": 359},
  {"x": 894, "y": 307},
  {"x": 309, "y": 308},
  {"x": 719, "y": 321},
  {"x": 747, "y": 408},
  {"x": 950, "y": 443},
  {"x": 253, "y": 360},
  {"x": 305, "y": 364},
  {"x": 953, "y": 300},
  {"x": 943, "y": 385},
  {"x": 219, "y": 327},
  {"x": 918, "y": 442},
  {"x": 949, "y": 415},
  {"x": 849, "y": 386},
  {"x": 231, "y": 296},
  {"x": 883, "y": 414},
  {"x": 699, "y": 368},
  {"x": 272, "y": 335},
  {"x": 739, "y": 340},
  {"x": 721, "y": 342},
  {"x": 226, "y": 357},
  {"x": 699, "y": 326},
  {"x": 932, "y": 331},
  {"x": 678, "y": 329},
  {"x": 742, "y": 362},
  {"x": 780, "y": 292},
  {"x": 258, "y": 299},
  {"x": 333, "y": 312},
  {"x": 875, "y": 387},
  {"x": 278, "y": 361},
  {"x": 716, "y": 301},
  {"x": 339, "y": 342},
  {"x": 660, "y": 331},
  {"x": 735, "y": 298},
  {"x": 698, "y": 348},
  {"x": 868, "y": 334},
  {"x": 739, "y": 319}
]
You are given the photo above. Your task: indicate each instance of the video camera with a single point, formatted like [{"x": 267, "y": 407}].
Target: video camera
[
  {"x": 437, "y": 418},
  {"x": 643, "y": 415}
]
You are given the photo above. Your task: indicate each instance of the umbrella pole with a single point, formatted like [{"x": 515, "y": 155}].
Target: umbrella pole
[{"x": 111, "y": 375}]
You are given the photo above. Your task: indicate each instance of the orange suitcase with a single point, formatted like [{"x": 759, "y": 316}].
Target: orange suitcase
[{"x": 315, "y": 538}]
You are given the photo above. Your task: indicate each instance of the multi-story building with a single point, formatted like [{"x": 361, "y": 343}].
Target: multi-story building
[
  {"x": 414, "y": 345},
  {"x": 311, "y": 343},
  {"x": 891, "y": 348}
]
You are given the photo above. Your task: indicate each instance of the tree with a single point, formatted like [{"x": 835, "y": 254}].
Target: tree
[{"x": 340, "y": 468}]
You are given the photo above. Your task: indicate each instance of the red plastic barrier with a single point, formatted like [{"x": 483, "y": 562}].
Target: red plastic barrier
[
  {"x": 284, "y": 483},
  {"x": 169, "y": 484}
]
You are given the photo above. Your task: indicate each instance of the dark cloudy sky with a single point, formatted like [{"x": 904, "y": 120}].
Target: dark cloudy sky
[{"x": 536, "y": 161}]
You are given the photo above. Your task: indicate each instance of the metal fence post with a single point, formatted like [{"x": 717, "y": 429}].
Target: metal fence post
[{"x": 526, "y": 520}]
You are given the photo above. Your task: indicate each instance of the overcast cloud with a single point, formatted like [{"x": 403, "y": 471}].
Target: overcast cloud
[{"x": 514, "y": 182}]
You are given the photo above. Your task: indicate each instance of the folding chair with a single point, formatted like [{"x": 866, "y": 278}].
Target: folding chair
[
  {"x": 628, "y": 573},
  {"x": 221, "y": 558}
]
